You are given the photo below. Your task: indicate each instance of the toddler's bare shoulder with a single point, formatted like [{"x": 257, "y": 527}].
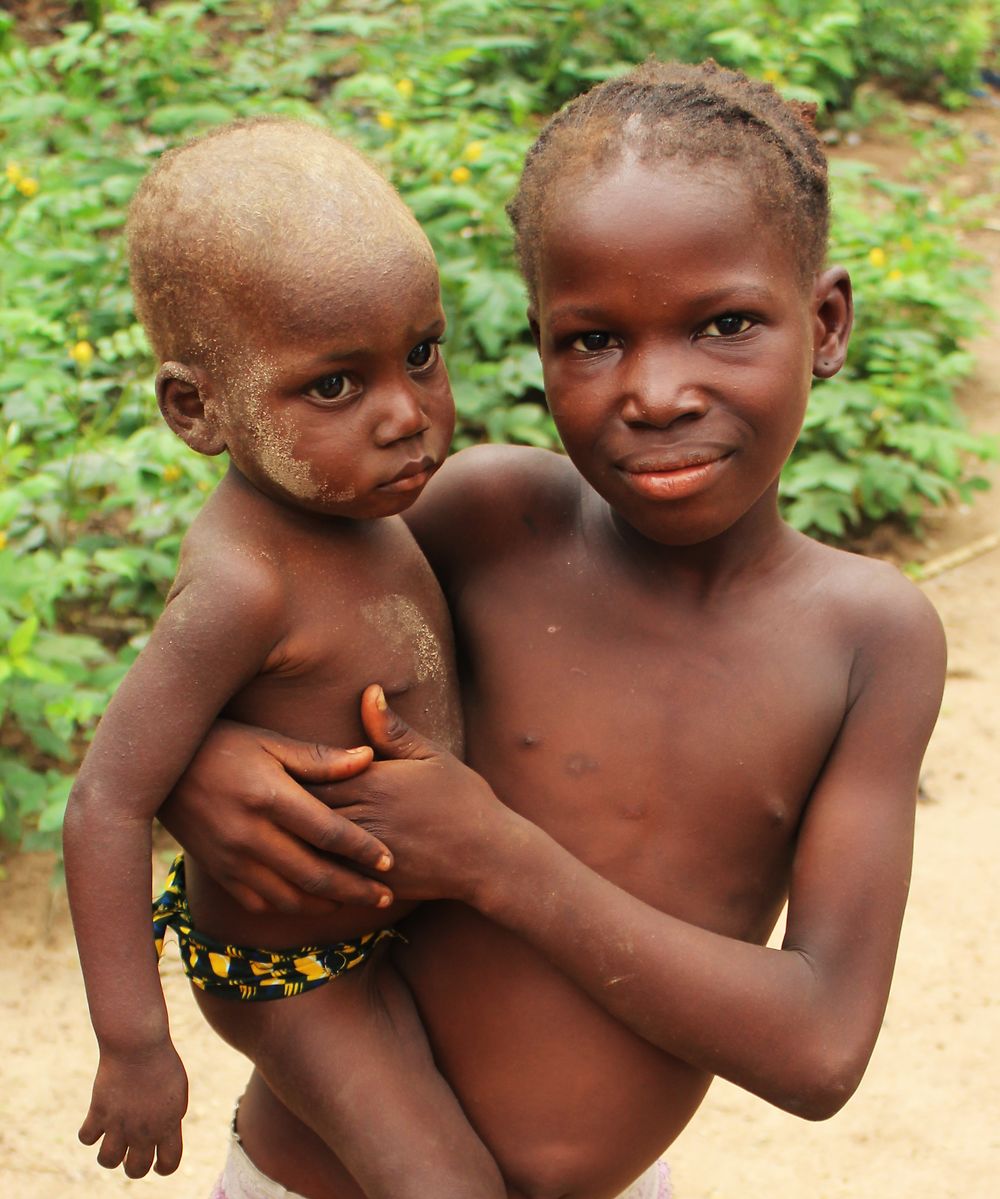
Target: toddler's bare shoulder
[{"x": 228, "y": 565}]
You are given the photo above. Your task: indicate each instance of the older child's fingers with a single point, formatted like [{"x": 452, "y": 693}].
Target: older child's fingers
[
  {"x": 313, "y": 762},
  {"x": 330, "y": 832},
  {"x": 389, "y": 732},
  {"x": 313, "y": 887}
]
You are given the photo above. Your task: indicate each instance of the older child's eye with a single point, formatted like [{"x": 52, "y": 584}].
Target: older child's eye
[
  {"x": 423, "y": 354},
  {"x": 728, "y": 325},
  {"x": 593, "y": 342},
  {"x": 330, "y": 387}
]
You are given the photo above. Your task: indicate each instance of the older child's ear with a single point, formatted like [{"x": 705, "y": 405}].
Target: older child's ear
[
  {"x": 833, "y": 305},
  {"x": 536, "y": 332},
  {"x": 181, "y": 392}
]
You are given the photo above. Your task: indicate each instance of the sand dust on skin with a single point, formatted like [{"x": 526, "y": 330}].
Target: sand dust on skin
[{"x": 926, "y": 1119}]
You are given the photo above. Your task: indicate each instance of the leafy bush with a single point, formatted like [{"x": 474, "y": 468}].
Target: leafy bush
[{"x": 96, "y": 492}]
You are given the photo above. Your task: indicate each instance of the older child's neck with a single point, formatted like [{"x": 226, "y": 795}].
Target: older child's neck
[{"x": 752, "y": 547}]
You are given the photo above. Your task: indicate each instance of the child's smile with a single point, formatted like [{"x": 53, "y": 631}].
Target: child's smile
[{"x": 677, "y": 343}]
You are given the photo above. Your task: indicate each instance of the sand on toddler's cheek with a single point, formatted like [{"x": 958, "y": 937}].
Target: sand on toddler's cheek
[{"x": 273, "y": 441}]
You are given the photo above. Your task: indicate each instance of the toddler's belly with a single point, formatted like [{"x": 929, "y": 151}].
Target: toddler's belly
[
  {"x": 218, "y": 915},
  {"x": 569, "y": 1101}
]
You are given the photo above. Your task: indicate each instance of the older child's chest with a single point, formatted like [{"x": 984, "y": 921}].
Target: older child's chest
[
  {"x": 635, "y": 727},
  {"x": 365, "y": 612}
]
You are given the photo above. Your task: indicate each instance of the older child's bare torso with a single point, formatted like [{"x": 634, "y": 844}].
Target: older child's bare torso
[
  {"x": 668, "y": 740},
  {"x": 358, "y": 604}
]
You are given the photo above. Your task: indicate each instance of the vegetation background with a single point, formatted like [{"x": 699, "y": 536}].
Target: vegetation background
[{"x": 95, "y": 493}]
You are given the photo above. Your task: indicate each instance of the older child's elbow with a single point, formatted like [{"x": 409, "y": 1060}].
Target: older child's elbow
[{"x": 831, "y": 1080}]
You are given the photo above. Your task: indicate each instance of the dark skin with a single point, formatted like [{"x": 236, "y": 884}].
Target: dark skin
[
  {"x": 678, "y": 711},
  {"x": 298, "y": 579}
]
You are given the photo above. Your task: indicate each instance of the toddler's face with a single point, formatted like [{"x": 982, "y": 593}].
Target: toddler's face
[
  {"x": 341, "y": 404},
  {"x": 677, "y": 344}
]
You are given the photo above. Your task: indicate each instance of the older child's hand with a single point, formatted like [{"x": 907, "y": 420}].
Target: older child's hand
[
  {"x": 241, "y": 811},
  {"x": 138, "y": 1102},
  {"x": 446, "y": 828}
]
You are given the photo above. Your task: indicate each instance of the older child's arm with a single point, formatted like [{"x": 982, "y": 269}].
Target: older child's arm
[
  {"x": 795, "y": 1025},
  {"x": 214, "y": 635}
]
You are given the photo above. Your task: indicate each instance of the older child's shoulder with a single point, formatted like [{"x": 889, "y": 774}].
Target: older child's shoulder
[
  {"x": 489, "y": 496},
  {"x": 873, "y": 599}
]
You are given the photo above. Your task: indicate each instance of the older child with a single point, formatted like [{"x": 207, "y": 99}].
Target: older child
[
  {"x": 293, "y": 303},
  {"x": 688, "y": 710}
]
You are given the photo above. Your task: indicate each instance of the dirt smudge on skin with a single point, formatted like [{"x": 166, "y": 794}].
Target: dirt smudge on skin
[{"x": 402, "y": 627}]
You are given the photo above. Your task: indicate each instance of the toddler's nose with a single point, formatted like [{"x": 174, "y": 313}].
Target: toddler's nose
[{"x": 402, "y": 415}]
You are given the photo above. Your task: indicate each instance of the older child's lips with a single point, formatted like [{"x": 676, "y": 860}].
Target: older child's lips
[
  {"x": 412, "y": 477},
  {"x": 676, "y": 477}
]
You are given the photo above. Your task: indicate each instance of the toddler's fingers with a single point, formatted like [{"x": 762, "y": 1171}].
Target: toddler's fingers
[
  {"x": 112, "y": 1151},
  {"x": 139, "y": 1159},
  {"x": 91, "y": 1129},
  {"x": 168, "y": 1153}
]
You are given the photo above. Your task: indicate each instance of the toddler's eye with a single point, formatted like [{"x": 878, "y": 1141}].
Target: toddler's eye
[
  {"x": 593, "y": 342},
  {"x": 423, "y": 354},
  {"x": 330, "y": 387},
  {"x": 728, "y": 325}
]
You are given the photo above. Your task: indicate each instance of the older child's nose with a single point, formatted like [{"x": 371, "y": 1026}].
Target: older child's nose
[
  {"x": 660, "y": 388},
  {"x": 401, "y": 415}
]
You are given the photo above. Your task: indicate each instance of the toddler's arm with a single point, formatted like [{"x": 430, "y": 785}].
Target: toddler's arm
[{"x": 214, "y": 636}]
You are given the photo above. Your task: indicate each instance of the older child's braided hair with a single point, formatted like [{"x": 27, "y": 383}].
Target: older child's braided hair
[{"x": 693, "y": 113}]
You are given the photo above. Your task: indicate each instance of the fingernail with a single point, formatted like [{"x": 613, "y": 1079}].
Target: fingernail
[
  {"x": 384, "y": 862},
  {"x": 358, "y": 749},
  {"x": 384, "y": 901},
  {"x": 380, "y": 700}
]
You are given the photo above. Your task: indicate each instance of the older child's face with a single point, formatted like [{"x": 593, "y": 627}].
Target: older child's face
[
  {"x": 341, "y": 403},
  {"x": 677, "y": 344}
]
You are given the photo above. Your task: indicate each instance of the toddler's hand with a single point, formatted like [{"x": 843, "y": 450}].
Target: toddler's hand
[{"x": 137, "y": 1106}]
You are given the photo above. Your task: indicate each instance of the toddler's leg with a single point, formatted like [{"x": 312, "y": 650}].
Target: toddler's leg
[{"x": 351, "y": 1061}]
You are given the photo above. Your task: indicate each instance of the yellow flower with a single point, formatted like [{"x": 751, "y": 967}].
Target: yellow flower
[
  {"x": 894, "y": 275},
  {"x": 771, "y": 75},
  {"x": 14, "y": 173},
  {"x": 171, "y": 473},
  {"x": 28, "y": 186},
  {"x": 473, "y": 151},
  {"x": 876, "y": 256},
  {"x": 405, "y": 88},
  {"x": 461, "y": 175},
  {"x": 82, "y": 353},
  {"x": 386, "y": 120},
  {"x": 3, "y": 540},
  {"x": 906, "y": 242}
]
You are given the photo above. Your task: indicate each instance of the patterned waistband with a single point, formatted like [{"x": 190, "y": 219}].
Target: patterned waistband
[{"x": 241, "y": 971}]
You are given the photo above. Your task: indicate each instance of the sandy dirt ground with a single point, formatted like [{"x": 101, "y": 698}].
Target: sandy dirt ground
[{"x": 926, "y": 1120}]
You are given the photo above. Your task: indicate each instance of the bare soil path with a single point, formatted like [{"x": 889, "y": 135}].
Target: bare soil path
[{"x": 926, "y": 1120}]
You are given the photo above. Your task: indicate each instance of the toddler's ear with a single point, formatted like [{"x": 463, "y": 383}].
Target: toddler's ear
[
  {"x": 833, "y": 306},
  {"x": 181, "y": 392}
]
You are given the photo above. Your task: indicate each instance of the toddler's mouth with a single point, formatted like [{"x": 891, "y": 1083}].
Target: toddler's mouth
[{"x": 413, "y": 476}]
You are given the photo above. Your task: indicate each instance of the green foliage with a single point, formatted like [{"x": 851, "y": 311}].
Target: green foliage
[{"x": 447, "y": 95}]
